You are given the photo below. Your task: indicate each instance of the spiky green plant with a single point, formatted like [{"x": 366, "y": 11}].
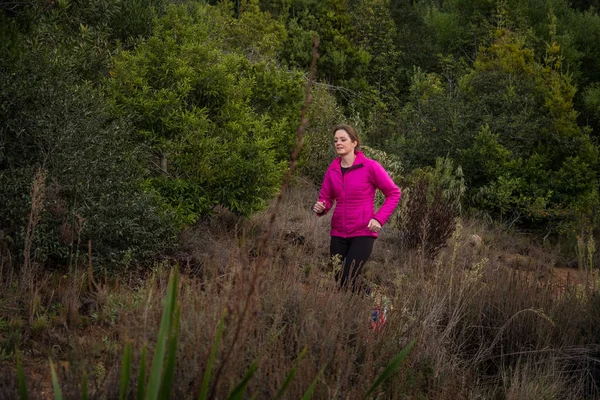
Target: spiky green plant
[
  {"x": 55, "y": 384},
  {"x": 309, "y": 392},
  {"x": 290, "y": 376},
  {"x": 125, "y": 372},
  {"x": 203, "y": 395},
  {"x": 238, "y": 392},
  {"x": 23, "y": 395},
  {"x": 142, "y": 375},
  {"x": 390, "y": 368},
  {"x": 165, "y": 332}
]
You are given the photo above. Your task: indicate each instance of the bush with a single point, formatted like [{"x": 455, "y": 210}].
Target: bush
[
  {"x": 431, "y": 199},
  {"x": 219, "y": 116},
  {"x": 94, "y": 172}
]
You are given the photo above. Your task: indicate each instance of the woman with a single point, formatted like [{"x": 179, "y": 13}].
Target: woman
[{"x": 351, "y": 181}]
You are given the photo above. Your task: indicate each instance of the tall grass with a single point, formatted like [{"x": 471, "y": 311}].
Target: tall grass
[
  {"x": 484, "y": 329},
  {"x": 161, "y": 379},
  {"x": 28, "y": 269}
]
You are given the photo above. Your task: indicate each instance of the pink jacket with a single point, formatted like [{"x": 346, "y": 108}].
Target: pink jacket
[{"x": 354, "y": 194}]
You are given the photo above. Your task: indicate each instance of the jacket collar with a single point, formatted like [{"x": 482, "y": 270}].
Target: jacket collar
[{"x": 358, "y": 161}]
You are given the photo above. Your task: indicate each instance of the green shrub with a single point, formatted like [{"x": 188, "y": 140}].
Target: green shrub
[
  {"x": 219, "y": 116},
  {"x": 93, "y": 188},
  {"x": 82, "y": 36},
  {"x": 510, "y": 122}
]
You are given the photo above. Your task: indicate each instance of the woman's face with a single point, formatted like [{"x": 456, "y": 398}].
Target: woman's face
[{"x": 342, "y": 142}]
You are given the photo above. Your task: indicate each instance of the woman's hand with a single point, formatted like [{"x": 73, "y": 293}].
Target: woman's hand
[
  {"x": 319, "y": 207},
  {"x": 374, "y": 225}
]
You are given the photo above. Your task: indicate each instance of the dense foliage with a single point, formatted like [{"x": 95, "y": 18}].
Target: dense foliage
[
  {"x": 208, "y": 97},
  {"x": 177, "y": 108},
  {"x": 56, "y": 120},
  {"x": 511, "y": 124},
  {"x": 93, "y": 188}
]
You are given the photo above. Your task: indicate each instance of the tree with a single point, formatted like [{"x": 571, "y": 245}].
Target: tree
[
  {"x": 511, "y": 124},
  {"x": 214, "y": 107},
  {"x": 528, "y": 107},
  {"x": 376, "y": 32},
  {"x": 432, "y": 123},
  {"x": 342, "y": 61},
  {"x": 94, "y": 179}
]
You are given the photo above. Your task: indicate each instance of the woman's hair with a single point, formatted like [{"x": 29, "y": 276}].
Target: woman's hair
[{"x": 351, "y": 133}]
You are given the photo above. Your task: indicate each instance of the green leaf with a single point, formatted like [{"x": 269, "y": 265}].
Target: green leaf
[
  {"x": 290, "y": 375},
  {"x": 125, "y": 371},
  {"x": 23, "y": 395},
  {"x": 203, "y": 395},
  {"x": 311, "y": 388},
  {"x": 238, "y": 392},
  {"x": 57, "y": 391},
  {"x": 154, "y": 382},
  {"x": 84, "y": 386},
  {"x": 391, "y": 367},
  {"x": 141, "y": 384},
  {"x": 167, "y": 384}
]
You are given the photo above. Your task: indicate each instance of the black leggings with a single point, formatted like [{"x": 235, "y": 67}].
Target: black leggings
[{"x": 354, "y": 253}]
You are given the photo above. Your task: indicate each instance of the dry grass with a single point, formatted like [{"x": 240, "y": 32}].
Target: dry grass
[
  {"x": 487, "y": 327},
  {"x": 37, "y": 204}
]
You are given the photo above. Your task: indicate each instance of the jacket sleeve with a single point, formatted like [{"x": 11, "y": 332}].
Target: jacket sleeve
[
  {"x": 326, "y": 193},
  {"x": 382, "y": 181}
]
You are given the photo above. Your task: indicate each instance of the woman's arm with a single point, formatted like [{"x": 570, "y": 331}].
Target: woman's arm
[
  {"x": 326, "y": 194},
  {"x": 382, "y": 181}
]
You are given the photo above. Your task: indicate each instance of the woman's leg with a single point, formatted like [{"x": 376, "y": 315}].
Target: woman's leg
[
  {"x": 358, "y": 254},
  {"x": 354, "y": 253},
  {"x": 338, "y": 247}
]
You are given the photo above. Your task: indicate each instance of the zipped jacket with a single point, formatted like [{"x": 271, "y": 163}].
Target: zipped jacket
[{"x": 354, "y": 195}]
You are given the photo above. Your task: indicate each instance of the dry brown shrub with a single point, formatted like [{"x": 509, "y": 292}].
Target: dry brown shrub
[
  {"x": 426, "y": 218},
  {"x": 37, "y": 205}
]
